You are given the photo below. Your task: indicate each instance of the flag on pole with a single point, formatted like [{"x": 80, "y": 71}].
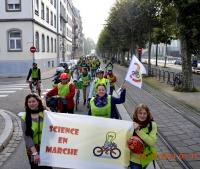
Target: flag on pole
[{"x": 135, "y": 71}]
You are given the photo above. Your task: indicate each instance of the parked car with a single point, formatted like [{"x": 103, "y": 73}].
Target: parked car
[{"x": 178, "y": 62}]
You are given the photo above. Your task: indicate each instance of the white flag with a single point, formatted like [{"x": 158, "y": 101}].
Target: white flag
[{"x": 135, "y": 71}]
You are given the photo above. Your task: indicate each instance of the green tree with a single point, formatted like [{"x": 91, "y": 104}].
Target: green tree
[{"x": 188, "y": 24}]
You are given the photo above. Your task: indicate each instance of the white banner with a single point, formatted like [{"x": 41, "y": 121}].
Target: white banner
[
  {"x": 135, "y": 71},
  {"x": 84, "y": 142}
]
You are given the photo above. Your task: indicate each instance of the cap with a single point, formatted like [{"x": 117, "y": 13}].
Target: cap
[{"x": 64, "y": 76}]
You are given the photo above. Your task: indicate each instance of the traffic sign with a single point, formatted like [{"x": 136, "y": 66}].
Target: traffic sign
[{"x": 32, "y": 49}]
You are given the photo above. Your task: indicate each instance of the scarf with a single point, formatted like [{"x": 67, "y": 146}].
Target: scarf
[
  {"x": 34, "y": 111},
  {"x": 100, "y": 101}
]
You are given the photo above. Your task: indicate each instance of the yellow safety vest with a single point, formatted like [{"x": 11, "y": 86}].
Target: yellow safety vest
[
  {"x": 149, "y": 154},
  {"x": 101, "y": 111},
  {"x": 63, "y": 90},
  {"x": 34, "y": 73},
  {"x": 37, "y": 128}
]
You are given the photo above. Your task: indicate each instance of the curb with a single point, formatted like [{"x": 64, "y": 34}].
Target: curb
[{"x": 7, "y": 131}]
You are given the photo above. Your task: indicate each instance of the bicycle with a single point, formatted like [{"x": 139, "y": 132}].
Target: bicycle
[
  {"x": 114, "y": 151},
  {"x": 34, "y": 86},
  {"x": 178, "y": 80},
  {"x": 78, "y": 86}
]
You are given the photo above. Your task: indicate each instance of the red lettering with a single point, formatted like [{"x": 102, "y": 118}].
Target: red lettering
[
  {"x": 50, "y": 128},
  {"x": 48, "y": 149},
  {"x": 59, "y": 129},
  {"x": 62, "y": 140},
  {"x": 60, "y": 150}
]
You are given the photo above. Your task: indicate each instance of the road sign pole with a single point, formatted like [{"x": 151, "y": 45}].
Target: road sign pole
[
  {"x": 33, "y": 50},
  {"x": 33, "y": 57}
]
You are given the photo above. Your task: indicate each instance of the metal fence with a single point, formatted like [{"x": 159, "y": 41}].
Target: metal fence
[{"x": 166, "y": 76}]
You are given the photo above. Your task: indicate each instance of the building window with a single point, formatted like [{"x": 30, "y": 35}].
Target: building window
[
  {"x": 55, "y": 45},
  {"x": 13, "y": 5},
  {"x": 51, "y": 45},
  {"x": 49, "y": 63},
  {"x": 43, "y": 43},
  {"x": 47, "y": 15},
  {"x": 55, "y": 21},
  {"x": 51, "y": 18},
  {"x": 37, "y": 7},
  {"x": 47, "y": 43},
  {"x": 37, "y": 41},
  {"x": 54, "y": 3},
  {"x": 14, "y": 40},
  {"x": 42, "y": 10}
]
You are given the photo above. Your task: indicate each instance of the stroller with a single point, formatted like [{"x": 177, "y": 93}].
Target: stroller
[{"x": 54, "y": 101}]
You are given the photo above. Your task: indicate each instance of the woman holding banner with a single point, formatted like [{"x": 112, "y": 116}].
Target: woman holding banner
[
  {"x": 32, "y": 124},
  {"x": 144, "y": 136},
  {"x": 103, "y": 105}
]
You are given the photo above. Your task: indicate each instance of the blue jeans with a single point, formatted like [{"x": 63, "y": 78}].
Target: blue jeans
[{"x": 136, "y": 166}]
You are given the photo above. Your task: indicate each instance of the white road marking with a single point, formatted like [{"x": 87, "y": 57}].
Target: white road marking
[
  {"x": 11, "y": 89},
  {"x": 7, "y": 91},
  {"x": 3, "y": 95}
]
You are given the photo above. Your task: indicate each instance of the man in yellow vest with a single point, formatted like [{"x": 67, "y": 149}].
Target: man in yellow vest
[
  {"x": 35, "y": 75},
  {"x": 86, "y": 79}
]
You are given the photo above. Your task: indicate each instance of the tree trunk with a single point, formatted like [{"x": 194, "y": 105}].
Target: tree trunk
[
  {"x": 157, "y": 54},
  {"x": 149, "y": 55},
  {"x": 128, "y": 56},
  {"x": 123, "y": 58},
  {"x": 165, "y": 64},
  {"x": 186, "y": 65}
]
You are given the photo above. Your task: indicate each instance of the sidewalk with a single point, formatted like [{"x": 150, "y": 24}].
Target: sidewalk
[
  {"x": 10, "y": 135},
  {"x": 6, "y": 129},
  {"x": 189, "y": 98}
]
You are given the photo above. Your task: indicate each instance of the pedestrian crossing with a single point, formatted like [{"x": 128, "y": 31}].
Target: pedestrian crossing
[{"x": 6, "y": 89}]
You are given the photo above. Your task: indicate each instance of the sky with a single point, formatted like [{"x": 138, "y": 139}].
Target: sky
[{"x": 93, "y": 14}]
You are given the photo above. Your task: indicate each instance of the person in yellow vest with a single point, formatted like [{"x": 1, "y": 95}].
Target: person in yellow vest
[
  {"x": 35, "y": 75},
  {"x": 146, "y": 129},
  {"x": 65, "y": 90},
  {"x": 86, "y": 79},
  {"x": 32, "y": 124},
  {"x": 93, "y": 68},
  {"x": 103, "y": 105},
  {"x": 112, "y": 79},
  {"x": 99, "y": 79}
]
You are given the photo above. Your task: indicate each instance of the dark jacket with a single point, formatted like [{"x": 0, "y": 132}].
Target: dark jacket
[{"x": 114, "y": 101}]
